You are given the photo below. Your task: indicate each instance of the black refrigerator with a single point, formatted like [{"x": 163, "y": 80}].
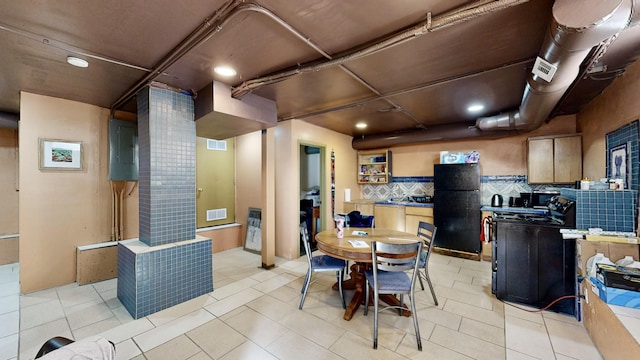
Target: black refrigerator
[{"x": 456, "y": 207}]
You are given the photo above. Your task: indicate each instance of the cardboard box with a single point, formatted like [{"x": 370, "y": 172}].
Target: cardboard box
[
  {"x": 615, "y": 296},
  {"x": 614, "y": 251},
  {"x": 611, "y": 337}
]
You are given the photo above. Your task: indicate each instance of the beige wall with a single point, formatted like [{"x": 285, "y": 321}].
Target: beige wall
[
  {"x": 248, "y": 177},
  {"x": 60, "y": 210},
  {"x": 616, "y": 106},
  {"x": 288, "y": 136},
  {"x": 505, "y": 156}
]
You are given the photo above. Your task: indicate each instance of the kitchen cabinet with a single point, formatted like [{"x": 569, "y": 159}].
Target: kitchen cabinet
[
  {"x": 364, "y": 206},
  {"x": 415, "y": 214},
  {"x": 390, "y": 217},
  {"x": 374, "y": 167},
  {"x": 534, "y": 265},
  {"x": 554, "y": 159}
]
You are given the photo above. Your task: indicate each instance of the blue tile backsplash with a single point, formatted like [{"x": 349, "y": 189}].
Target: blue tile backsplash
[
  {"x": 610, "y": 210},
  {"x": 401, "y": 186}
]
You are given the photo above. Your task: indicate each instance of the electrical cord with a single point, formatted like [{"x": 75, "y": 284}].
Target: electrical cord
[{"x": 546, "y": 307}]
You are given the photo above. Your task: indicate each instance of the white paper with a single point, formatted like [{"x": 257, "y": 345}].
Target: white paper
[
  {"x": 358, "y": 244},
  {"x": 347, "y": 194}
]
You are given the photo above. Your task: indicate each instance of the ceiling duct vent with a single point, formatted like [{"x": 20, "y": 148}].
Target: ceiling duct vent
[
  {"x": 544, "y": 69},
  {"x": 219, "y": 116}
]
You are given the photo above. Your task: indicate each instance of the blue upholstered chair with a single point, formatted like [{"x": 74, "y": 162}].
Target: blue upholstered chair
[
  {"x": 320, "y": 263},
  {"x": 394, "y": 270},
  {"x": 427, "y": 232}
]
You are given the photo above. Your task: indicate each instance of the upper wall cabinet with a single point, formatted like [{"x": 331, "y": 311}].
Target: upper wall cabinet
[
  {"x": 554, "y": 159},
  {"x": 374, "y": 167}
]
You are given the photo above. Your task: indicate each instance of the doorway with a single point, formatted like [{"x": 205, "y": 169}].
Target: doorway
[{"x": 312, "y": 184}]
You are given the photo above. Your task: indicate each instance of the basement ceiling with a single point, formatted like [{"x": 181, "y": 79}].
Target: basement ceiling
[{"x": 327, "y": 62}]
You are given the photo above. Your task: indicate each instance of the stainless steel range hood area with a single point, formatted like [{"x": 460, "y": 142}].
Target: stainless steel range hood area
[{"x": 219, "y": 116}]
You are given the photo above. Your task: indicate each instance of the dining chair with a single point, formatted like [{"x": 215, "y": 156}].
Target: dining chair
[
  {"x": 393, "y": 271},
  {"x": 320, "y": 263},
  {"x": 426, "y": 232}
]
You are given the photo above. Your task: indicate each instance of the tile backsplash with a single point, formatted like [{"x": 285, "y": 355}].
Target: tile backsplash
[{"x": 505, "y": 185}]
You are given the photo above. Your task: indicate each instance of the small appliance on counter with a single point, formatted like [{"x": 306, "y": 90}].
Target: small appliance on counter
[
  {"x": 496, "y": 200},
  {"x": 422, "y": 199}
]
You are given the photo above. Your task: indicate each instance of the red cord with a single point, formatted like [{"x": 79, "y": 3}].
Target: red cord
[{"x": 546, "y": 307}]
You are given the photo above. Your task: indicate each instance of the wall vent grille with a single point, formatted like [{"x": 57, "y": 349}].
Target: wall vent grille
[
  {"x": 216, "y": 214},
  {"x": 219, "y": 145}
]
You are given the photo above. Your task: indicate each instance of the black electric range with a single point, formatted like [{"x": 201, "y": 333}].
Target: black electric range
[{"x": 532, "y": 264}]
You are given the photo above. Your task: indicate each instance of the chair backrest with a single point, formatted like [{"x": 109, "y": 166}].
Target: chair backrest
[
  {"x": 355, "y": 219},
  {"x": 395, "y": 257},
  {"x": 304, "y": 236},
  {"x": 427, "y": 232}
]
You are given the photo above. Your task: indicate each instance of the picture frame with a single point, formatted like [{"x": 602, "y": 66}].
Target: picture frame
[
  {"x": 618, "y": 164},
  {"x": 253, "y": 235},
  {"x": 60, "y": 154}
]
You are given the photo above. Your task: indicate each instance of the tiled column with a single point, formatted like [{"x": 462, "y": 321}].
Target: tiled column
[{"x": 168, "y": 264}]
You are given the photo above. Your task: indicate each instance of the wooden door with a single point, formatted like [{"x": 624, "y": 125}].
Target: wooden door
[{"x": 215, "y": 182}]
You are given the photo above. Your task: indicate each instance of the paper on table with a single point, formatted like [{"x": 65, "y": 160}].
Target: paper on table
[{"x": 358, "y": 244}]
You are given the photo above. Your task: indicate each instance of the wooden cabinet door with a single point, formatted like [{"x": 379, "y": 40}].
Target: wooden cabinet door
[
  {"x": 365, "y": 209},
  {"x": 540, "y": 161},
  {"x": 567, "y": 159},
  {"x": 389, "y": 217}
]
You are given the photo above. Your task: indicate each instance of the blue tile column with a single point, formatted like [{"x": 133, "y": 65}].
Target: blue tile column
[
  {"x": 167, "y": 140},
  {"x": 169, "y": 264}
]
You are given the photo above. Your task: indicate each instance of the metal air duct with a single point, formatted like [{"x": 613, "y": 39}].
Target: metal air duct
[
  {"x": 9, "y": 120},
  {"x": 576, "y": 28}
]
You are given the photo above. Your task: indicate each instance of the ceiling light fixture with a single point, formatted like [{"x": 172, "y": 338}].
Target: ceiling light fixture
[
  {"x": 475, "y": 108},
  {"x": 82, "y": 63},
  {"x": 224, "y": 71},
  {"x": 361, "y": 125}
]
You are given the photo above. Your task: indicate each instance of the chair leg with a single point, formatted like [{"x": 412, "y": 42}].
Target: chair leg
[
  {"x": 414, "y": 314},
  {"x": 420, "y": 278},
  {"x": 305, "y": 288},
  {"x": 375, "y": 318},
  {"x": 433, "y": 293},
  {"x": 339, "y": 275},
  {"x": 366, "y": 298},
  {"x": 305, "y": 280}
]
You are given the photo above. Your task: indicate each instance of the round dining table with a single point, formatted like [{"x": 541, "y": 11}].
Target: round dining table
[{"x": 355, "y": 245}]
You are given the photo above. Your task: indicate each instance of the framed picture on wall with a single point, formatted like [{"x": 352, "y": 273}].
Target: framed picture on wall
[
  {"x": 60, "y": 155},
  {"x": 253, "y": 237},
  {"x": 618, "y": 160}
]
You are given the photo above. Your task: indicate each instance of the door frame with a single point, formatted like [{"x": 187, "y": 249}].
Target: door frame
[{"x": 323, "y": 180}]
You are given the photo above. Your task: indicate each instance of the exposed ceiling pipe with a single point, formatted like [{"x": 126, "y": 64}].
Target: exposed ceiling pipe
[
  {"x": 576, "y": 28},
  {"x": 429, "y": 25},
  {"x": 9, "y": 120}
]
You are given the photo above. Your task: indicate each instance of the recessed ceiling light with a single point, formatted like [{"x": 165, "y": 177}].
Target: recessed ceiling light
[
  {"x": 224, "y": 71},
  {"x": 475, "y": 108},
  {"x": 77, "y": 62},
  {"x": 361, "y": 125}
]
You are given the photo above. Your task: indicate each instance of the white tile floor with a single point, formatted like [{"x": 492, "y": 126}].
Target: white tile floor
[{"x": 253, "y": 314}]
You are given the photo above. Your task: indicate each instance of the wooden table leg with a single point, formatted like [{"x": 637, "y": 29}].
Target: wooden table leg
[{"x": 357, "y": 283}]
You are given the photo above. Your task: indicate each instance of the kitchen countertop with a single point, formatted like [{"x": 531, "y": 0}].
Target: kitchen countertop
[
  {"x": 516, "y": 210},
  {"x": 404, "y": 203}
]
